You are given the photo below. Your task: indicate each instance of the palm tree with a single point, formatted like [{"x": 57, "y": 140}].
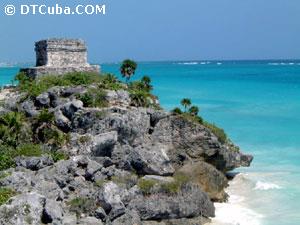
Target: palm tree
[
  {"x": 186, "y": 102},
  {"x": 194, "y": 110},
  {"x": 147, "y": 83},
  {"x": 128, "y": 68}
]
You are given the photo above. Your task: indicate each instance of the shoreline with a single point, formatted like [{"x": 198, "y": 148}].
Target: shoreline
[{"x": 237, "y": 211}]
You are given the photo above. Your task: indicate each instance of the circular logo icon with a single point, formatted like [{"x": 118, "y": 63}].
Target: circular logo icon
[{"x": 10, "y": 10}]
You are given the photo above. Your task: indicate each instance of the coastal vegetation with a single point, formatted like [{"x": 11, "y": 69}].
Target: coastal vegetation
[
  {"x": 191, "y": 113},
  {"x": 110, "y": 138},
  {"x": 6, "y": 194},
  {"x": 128, "y": 68}
]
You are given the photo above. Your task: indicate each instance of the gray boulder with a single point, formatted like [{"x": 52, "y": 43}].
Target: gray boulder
[
  {"x": 209, "y": 179},
  {"x": 151, "y": 160},
  {"x": 34, "y": 163},
  {"x": 53, "y": 212},
  {"x": 190, "y": 202},
  {"x": 103, "y": 144},
  {"x": 28, "y": 108},
  {"x": 119, "y": 97},
  {"x": 129, "y": 218},
  {"x": 62, "y": 121},
  {"x": 69, "y": 109},
  {"x": 43, "y": 100},
  {"x": 110, "y": 198},
  {"x": 89, "y": 221},
  {"x": 23, "y": 209}
]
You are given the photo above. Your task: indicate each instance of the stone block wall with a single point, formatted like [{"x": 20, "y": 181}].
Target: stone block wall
[{"x": 60, "y": 56}]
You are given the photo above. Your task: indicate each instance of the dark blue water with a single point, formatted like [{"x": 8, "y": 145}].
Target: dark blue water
[{"x": 258, "y": 105}]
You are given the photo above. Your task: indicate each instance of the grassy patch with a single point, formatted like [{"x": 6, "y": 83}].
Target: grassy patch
[
  {"x": 11, "y": 128},
  {"x": 58, "y": 155},
  {"x": 93, "y": 98},
  {"x": 6, "y": 194},
  {"x": 110, "y": 82},
  {"x": 6, "y": 157},
  {"x": 4, "y": 174},
  {"x": 29, "y": 150},
  {"x": 34, "y": 87},
  {"x": 219, "y": 132},
  {"x": 146, "y": 185},
  {"x": 127, "y": 180},
  {"x": 82, "y": 205},
  {"x": 100, "y": 183},
  {"x": 176, "y": 185}
]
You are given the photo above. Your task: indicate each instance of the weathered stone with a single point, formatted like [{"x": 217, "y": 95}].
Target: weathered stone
[
  {"x": 119, "y": 97},
  {"x": 188, "y": 140},
  {"x": 34, "y": 163},
  {"x": 69, "y": 219},
  {"x": 100, "y": 214},
  {"x": 70, "y": 108},
  {"x": 23, "y": 209},
  {"x": 60, "y": 56},
  {"x": 61, "y": 121},
  {"x": 129, "y": 218},
  {"x": 103, "y": 144},
  {"x": 110, "y": 199},
  {"x": 151, "y": 160},
  {"x": 43, "y": 100},
  {"x": 29, "y": 108},
  {"x": 212, "y": 181},
  {"x": 190, "y": 202},
  {"x": 90, "y": 221},
  {"x": 92, "y": 168},
  {"x": 53, "y": 212}
]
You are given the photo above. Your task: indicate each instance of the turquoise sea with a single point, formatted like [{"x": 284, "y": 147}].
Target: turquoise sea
[{"x": 258, "y": 105}]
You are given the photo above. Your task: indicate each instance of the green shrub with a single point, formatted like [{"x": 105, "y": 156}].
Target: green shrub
[
  {"x": 34, "y": 87},
  {"x": 45, "y": 117},
  {"x": 6, "y": 194},
  {"x": 94, "y": 98},
  {"x": 11, "y": 127},
  {"x": 127, "y": 180},
  {"x": 177, "y": 110},
  {"x": 176, "y": 185},
  {"x": 100, "y": 183},
  {"x": 6, "y": 157},
  {"x": 220, "y": 133},
  {"x": 146, "y": 185},
  {"x": 28, "y": 150},
  {"x": 58, "y": 155},
  {"x": 82, "y": 205},
  {"x": 139, "y": 99},
  {"x": 53, "y": 136},
  {"x": 4, "y": 174},
  {"x": 110, "y": 82}
]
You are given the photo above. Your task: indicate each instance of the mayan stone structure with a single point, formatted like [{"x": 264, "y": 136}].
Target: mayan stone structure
[{"x": 60, "y": 56}]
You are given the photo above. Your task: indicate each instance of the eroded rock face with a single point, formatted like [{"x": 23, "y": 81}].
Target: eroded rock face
[
  {"x": 209, "y": 179},
  {"x": 189, "y": 141},
  {"x": 116, "y": 154},
  {"x": 23, "y": 209},
  {"x": 190, "y": 202}
]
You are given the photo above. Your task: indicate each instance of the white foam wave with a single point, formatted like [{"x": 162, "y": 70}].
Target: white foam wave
[
  {"x": 236, "y": 211},
  {"x": 219, "y": 63},
  {"x": 282, "y": 64},
  {"x": 265, "y": 186},
  {"x": 235, "y": 214},
  {"x": 189, "y": 63}
]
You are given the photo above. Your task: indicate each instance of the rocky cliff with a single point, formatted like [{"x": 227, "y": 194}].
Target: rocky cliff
[{"x": 111, "y": 164}]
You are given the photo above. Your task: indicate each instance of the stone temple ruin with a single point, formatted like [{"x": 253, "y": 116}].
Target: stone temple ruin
[{"x": 60, "y": 56}]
